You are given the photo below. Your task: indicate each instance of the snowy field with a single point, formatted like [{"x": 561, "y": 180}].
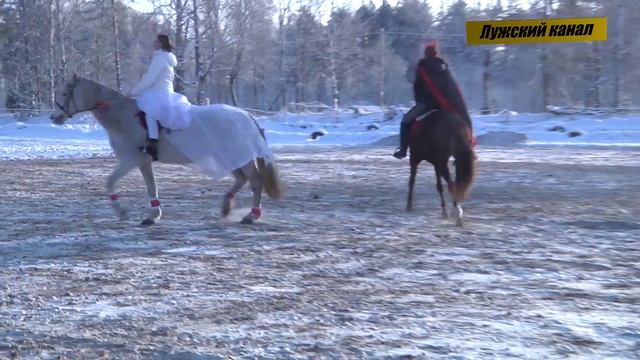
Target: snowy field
[
  {"x": 547, "y": 265},
  {"x": 38, "y": 138}
]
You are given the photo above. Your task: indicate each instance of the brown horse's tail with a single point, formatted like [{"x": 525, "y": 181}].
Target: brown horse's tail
[{"x": 465, "y": 170}]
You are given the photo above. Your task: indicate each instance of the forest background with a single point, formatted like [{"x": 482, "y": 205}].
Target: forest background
[{"x": 266, "y": 54}]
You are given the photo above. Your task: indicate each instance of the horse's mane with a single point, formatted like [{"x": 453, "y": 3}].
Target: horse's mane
[{"x": 106, "y": 91}]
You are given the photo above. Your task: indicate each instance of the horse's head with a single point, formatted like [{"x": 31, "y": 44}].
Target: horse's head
[{"x": 70, "y": 102}]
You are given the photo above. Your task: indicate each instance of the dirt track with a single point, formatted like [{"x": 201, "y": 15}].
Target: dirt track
[{"x": 548, "y": 263}]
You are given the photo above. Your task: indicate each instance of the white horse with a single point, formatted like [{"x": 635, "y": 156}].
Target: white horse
[{"x": 241, "y": 150}]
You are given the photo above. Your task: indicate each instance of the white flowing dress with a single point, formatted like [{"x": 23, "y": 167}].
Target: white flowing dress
[
  {"x": 155, "y": 96},
  {"x": 217, "y": 138}
]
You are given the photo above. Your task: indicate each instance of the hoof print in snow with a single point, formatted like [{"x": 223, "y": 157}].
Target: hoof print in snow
[
  {"x": 315, "y": 197},
  {"x": 303, "y": 126},
  {"x": 575, "y": 134},
  {"x": 558, "y": 128},
  {"x": 373, "y": 127},
  {"x": 317, "y": 134}
]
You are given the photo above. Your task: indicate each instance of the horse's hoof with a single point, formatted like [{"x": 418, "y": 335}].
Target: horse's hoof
[
  {"x": 459, "y": 223},
  {"x": 251, "y": 217},
  {"x": 247, "y": 220},
  {"x": 147, "y": 222},
  {"x": 445, "y": 215},
  {"x": 409, "y": 209},
  {"x": 227, "y": 205}
]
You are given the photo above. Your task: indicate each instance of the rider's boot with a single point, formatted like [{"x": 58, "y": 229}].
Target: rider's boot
[
  {"x": 401, "y": 152},
  {"x": 151, "y": 148}
]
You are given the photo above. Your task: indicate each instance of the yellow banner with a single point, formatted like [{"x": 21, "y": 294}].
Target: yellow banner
[{"x": 536, "y": 31}]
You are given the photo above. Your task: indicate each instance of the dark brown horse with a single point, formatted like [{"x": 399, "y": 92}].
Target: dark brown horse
[{"x": 435, "y": 139}]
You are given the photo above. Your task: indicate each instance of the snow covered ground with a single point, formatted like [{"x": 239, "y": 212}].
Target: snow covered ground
[
  {"x": 546, "y": 267},
  {"x": 38, "y": 138}
]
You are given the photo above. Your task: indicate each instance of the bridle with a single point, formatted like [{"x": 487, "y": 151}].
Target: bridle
[{"x": 68, "y": 99}]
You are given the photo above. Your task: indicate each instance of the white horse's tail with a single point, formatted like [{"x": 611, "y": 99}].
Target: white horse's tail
[{"x": 273, "y": 185}]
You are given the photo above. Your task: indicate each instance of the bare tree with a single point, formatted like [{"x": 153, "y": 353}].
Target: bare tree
[
  {"x": 231, "y": 51},
  {"x": 284, "y": 9},
  {"x": 181, "y": 29},
  {"x": 116, "y": 44},
  {"x": 52, "y": 53},
  {"x": 618, "y": 52},
  {"x": 544, "y": 63},
  {"x": 196, "y": 51},
  {"x": 240, "y": 15},
  {"x": 486, "y": 80}
]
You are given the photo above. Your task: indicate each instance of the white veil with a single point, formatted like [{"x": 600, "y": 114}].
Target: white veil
[{"x": 219, "y": 139}]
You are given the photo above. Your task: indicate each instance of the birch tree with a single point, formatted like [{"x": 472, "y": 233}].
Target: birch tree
[{"x": 116, "y": 44}]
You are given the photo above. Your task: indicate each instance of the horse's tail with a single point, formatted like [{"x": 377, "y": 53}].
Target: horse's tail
[
  {"x": 465, "y": 169},
  {"x": 273, "y": 185}
]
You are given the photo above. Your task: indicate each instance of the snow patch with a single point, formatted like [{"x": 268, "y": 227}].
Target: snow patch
[
  {"x": 501, "y": 138},
  {"x": 360, "y": 125}
]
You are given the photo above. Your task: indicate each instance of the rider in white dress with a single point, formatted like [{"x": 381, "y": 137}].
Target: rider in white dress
[{"x": 155, "y": 96}]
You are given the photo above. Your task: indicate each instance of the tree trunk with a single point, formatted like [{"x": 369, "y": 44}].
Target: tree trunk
[
  {"x": 232, "y": 88},
  {"x": 486, "y": 80},
  {"x": 196, "y": 54},
  {"x": 60, "y": 46},
  {"x": 116, "y": 44},
  {"x": 546, "y": 79},
  {"x": 52, "y": 55},
  {"x": 594, "y": 69},
  {"x": 544, "y": 65},
  {"x": 240, "y": 26},
  {"x": 281, "y": 50},
  {"x": 618, "y": 64},
  {"x": 256, "y": 103},
  {"x": 178, "y": 85},
  {"x": 25, "y": 83}
]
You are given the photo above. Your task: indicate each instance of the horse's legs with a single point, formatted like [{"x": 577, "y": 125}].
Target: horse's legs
[
  {"x": 227, "y": 203},
  {"x": 457, "y": 208},
  {"x": 155, "y": 212},
  {"x": 120, "y": 171},
  {"x": 443, "y": 204},
  {"x": 255, "y": 181},
  {"x": 412, "y": 182}
]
